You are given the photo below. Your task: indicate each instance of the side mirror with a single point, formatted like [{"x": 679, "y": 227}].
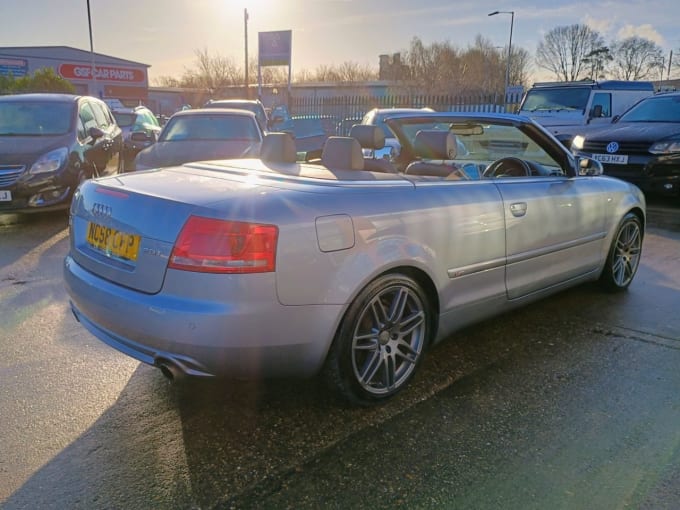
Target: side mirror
[
  {"x": 588, "y": 166},
  {"x": 95, "y": 133},
  {"x": 141, "y": 136}
]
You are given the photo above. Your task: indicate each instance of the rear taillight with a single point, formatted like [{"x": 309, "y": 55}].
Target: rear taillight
[{"x": 215, "y": 246}]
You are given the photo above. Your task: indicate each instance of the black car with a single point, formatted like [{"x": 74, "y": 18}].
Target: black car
[
  {"x": 312, "y": 131},
  {"x": 251, "y": 105},
  {"x": 49, "y": 143},
  {"x": 642, "y": 146},
  {"x": 202, "y": 134},
  {"x": 136, "y": 120}
]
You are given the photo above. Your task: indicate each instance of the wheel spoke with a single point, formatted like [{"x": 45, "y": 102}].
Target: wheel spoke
[
  {"x": 410, "y": 323},
  {"x": 389, "y": 372},
  {"x": 411, "y": 355},
  {"x": 370, "y": 368},
  {"x": 366, "y": 342},
  {"x": 379, "y": 313},
  {"x": 398, "y": 305}
]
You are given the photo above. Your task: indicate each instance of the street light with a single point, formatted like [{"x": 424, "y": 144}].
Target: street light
[
  {"x": 507, "y": 66},
  {"x": 245, "y": 37},
  {"x": 93, "y": 69}
]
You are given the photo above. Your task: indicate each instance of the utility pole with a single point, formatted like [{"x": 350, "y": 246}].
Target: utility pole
[
  {"x": 93, "y": 70},
  {"x": 245, "y": 31}
]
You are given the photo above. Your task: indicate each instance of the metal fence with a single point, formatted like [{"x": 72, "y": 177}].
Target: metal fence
[{"x": 349, "y": 108}]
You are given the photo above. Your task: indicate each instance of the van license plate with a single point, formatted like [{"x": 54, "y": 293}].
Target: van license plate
[
  {"x": 5, "y": 195},
  {"x": 112, "y": 241}
]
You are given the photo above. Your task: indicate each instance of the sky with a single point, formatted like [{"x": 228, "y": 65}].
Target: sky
[{"x": 166, "y": 34}]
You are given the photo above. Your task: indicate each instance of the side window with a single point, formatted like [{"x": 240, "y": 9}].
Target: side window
[
  {"x": 151, "y": 119},
  {"x": 100, "y": 115},
  {"x": 86, "y": 117},
  {"x": 602, "y": 104},
  {"x": 82, "y": 134}
]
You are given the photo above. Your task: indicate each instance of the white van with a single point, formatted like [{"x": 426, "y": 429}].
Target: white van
[{"x": 564, "y": 106}]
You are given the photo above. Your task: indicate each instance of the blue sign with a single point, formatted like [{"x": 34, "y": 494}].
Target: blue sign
[
  {"x": 274, "y": 48},
  {"x": 16, "y": 67}
]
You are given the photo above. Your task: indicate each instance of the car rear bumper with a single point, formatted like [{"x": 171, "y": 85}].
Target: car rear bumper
[{"x": 248, "y": 338}]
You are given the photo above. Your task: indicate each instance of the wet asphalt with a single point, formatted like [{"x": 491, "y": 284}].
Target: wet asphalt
[{"x": 572, "y": 402}]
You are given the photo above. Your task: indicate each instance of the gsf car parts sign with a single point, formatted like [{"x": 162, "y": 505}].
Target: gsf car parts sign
[{"x": 103, "y": 73}]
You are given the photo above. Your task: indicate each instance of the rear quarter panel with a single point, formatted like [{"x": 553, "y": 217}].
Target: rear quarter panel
[{"x": 439, "y": 228}]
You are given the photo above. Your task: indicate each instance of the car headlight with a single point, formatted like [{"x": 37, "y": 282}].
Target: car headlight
[
  {"x": 50, "y": 162},
  {"x": 577, "y": 142},
  {"x": 665, "y": 147}
]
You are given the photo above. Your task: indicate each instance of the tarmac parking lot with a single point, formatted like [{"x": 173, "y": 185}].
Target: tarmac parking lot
[{"x": 568, "y": 403}]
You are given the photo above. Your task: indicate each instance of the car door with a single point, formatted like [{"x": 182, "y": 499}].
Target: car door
[
  {"x": 104, "y": 139},
  {"x": 554, "y": 230}
]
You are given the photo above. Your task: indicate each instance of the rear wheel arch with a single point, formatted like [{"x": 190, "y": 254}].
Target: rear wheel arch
[{"x": 382, "y": 336}]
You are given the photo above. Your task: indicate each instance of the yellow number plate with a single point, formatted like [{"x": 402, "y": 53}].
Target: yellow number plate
[{"x": 113, "y": 242}]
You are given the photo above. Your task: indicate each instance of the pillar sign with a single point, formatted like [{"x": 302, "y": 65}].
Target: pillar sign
[{"x": 274, "y": 48}]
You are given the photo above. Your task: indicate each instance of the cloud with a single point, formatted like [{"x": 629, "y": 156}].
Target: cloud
[
  {"x": 604, "y": 26},
  {"x": 647, "y": 31}
]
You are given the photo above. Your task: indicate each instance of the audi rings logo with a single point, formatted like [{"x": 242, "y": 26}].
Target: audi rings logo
[
  {"x": 101, "y": 210},
  {"x": 612, "y": 147}
]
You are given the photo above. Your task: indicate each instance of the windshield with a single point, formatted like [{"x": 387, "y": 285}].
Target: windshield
[
  {"x": 210, "y": 127},
  {"x": 654, "y": 109},
  {"x": 565, "y": 98},
  {"x": 35, "y": 118},
  {"x": 251, "y": 107},
  {"x": 305, "y": 127},
  {"x": 125, "y": 119},
  {"x": 479, "y": 142}
]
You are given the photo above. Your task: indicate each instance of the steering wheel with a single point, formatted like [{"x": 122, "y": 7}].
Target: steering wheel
[{"x": 507, "y": 167}]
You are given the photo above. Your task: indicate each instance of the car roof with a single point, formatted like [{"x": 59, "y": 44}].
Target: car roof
[
  {"x": 133, "y": 109},
  {"x": 235, "y": 101},
  {"x": 672, "y": 93},
  {"x": 214, "y": 111},
  {"x": 45, "y": 97},
  {"x": 401, "y": 110}
]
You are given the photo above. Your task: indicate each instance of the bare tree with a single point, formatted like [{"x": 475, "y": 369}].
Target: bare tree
[
  {"x": 636, "y": 58},
  {"x": 520, "y": 62},
  {"x": 438, "y": 68},
  {"x": 563, "y": 49},
  {"x": 355, "y": 72},
  {"x": 598, "y": 60}
]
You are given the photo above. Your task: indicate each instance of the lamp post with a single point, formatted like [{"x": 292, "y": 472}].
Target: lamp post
[
  {"x": 245, "y": 36},
  {"x": 93, "y": 69},
  {"x": 507, "y": 66}
]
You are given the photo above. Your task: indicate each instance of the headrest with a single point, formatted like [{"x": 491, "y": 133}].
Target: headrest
[
  {"x": 435, "y": 144},
  {"x": 278, "y": 148},
  {"x": 369, "y": 137},
  {"x": 342, "y": 152}
]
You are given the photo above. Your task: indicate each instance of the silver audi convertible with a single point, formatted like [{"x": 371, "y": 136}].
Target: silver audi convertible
[{"x": 345, "y": 266}]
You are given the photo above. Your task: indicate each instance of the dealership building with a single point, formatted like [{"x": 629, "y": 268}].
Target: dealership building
[{"x": 113, "y": 77}]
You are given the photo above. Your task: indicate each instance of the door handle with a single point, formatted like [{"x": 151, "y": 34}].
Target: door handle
[{"x": 518, "y": 209}]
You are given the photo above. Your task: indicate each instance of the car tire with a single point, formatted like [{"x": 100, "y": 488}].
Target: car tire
[
  {"x": 624, "y": 255},
  {"x": 381, "y": 340}
]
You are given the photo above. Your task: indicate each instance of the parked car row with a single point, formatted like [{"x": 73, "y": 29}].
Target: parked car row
[{"x": 49, "y": 143}]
